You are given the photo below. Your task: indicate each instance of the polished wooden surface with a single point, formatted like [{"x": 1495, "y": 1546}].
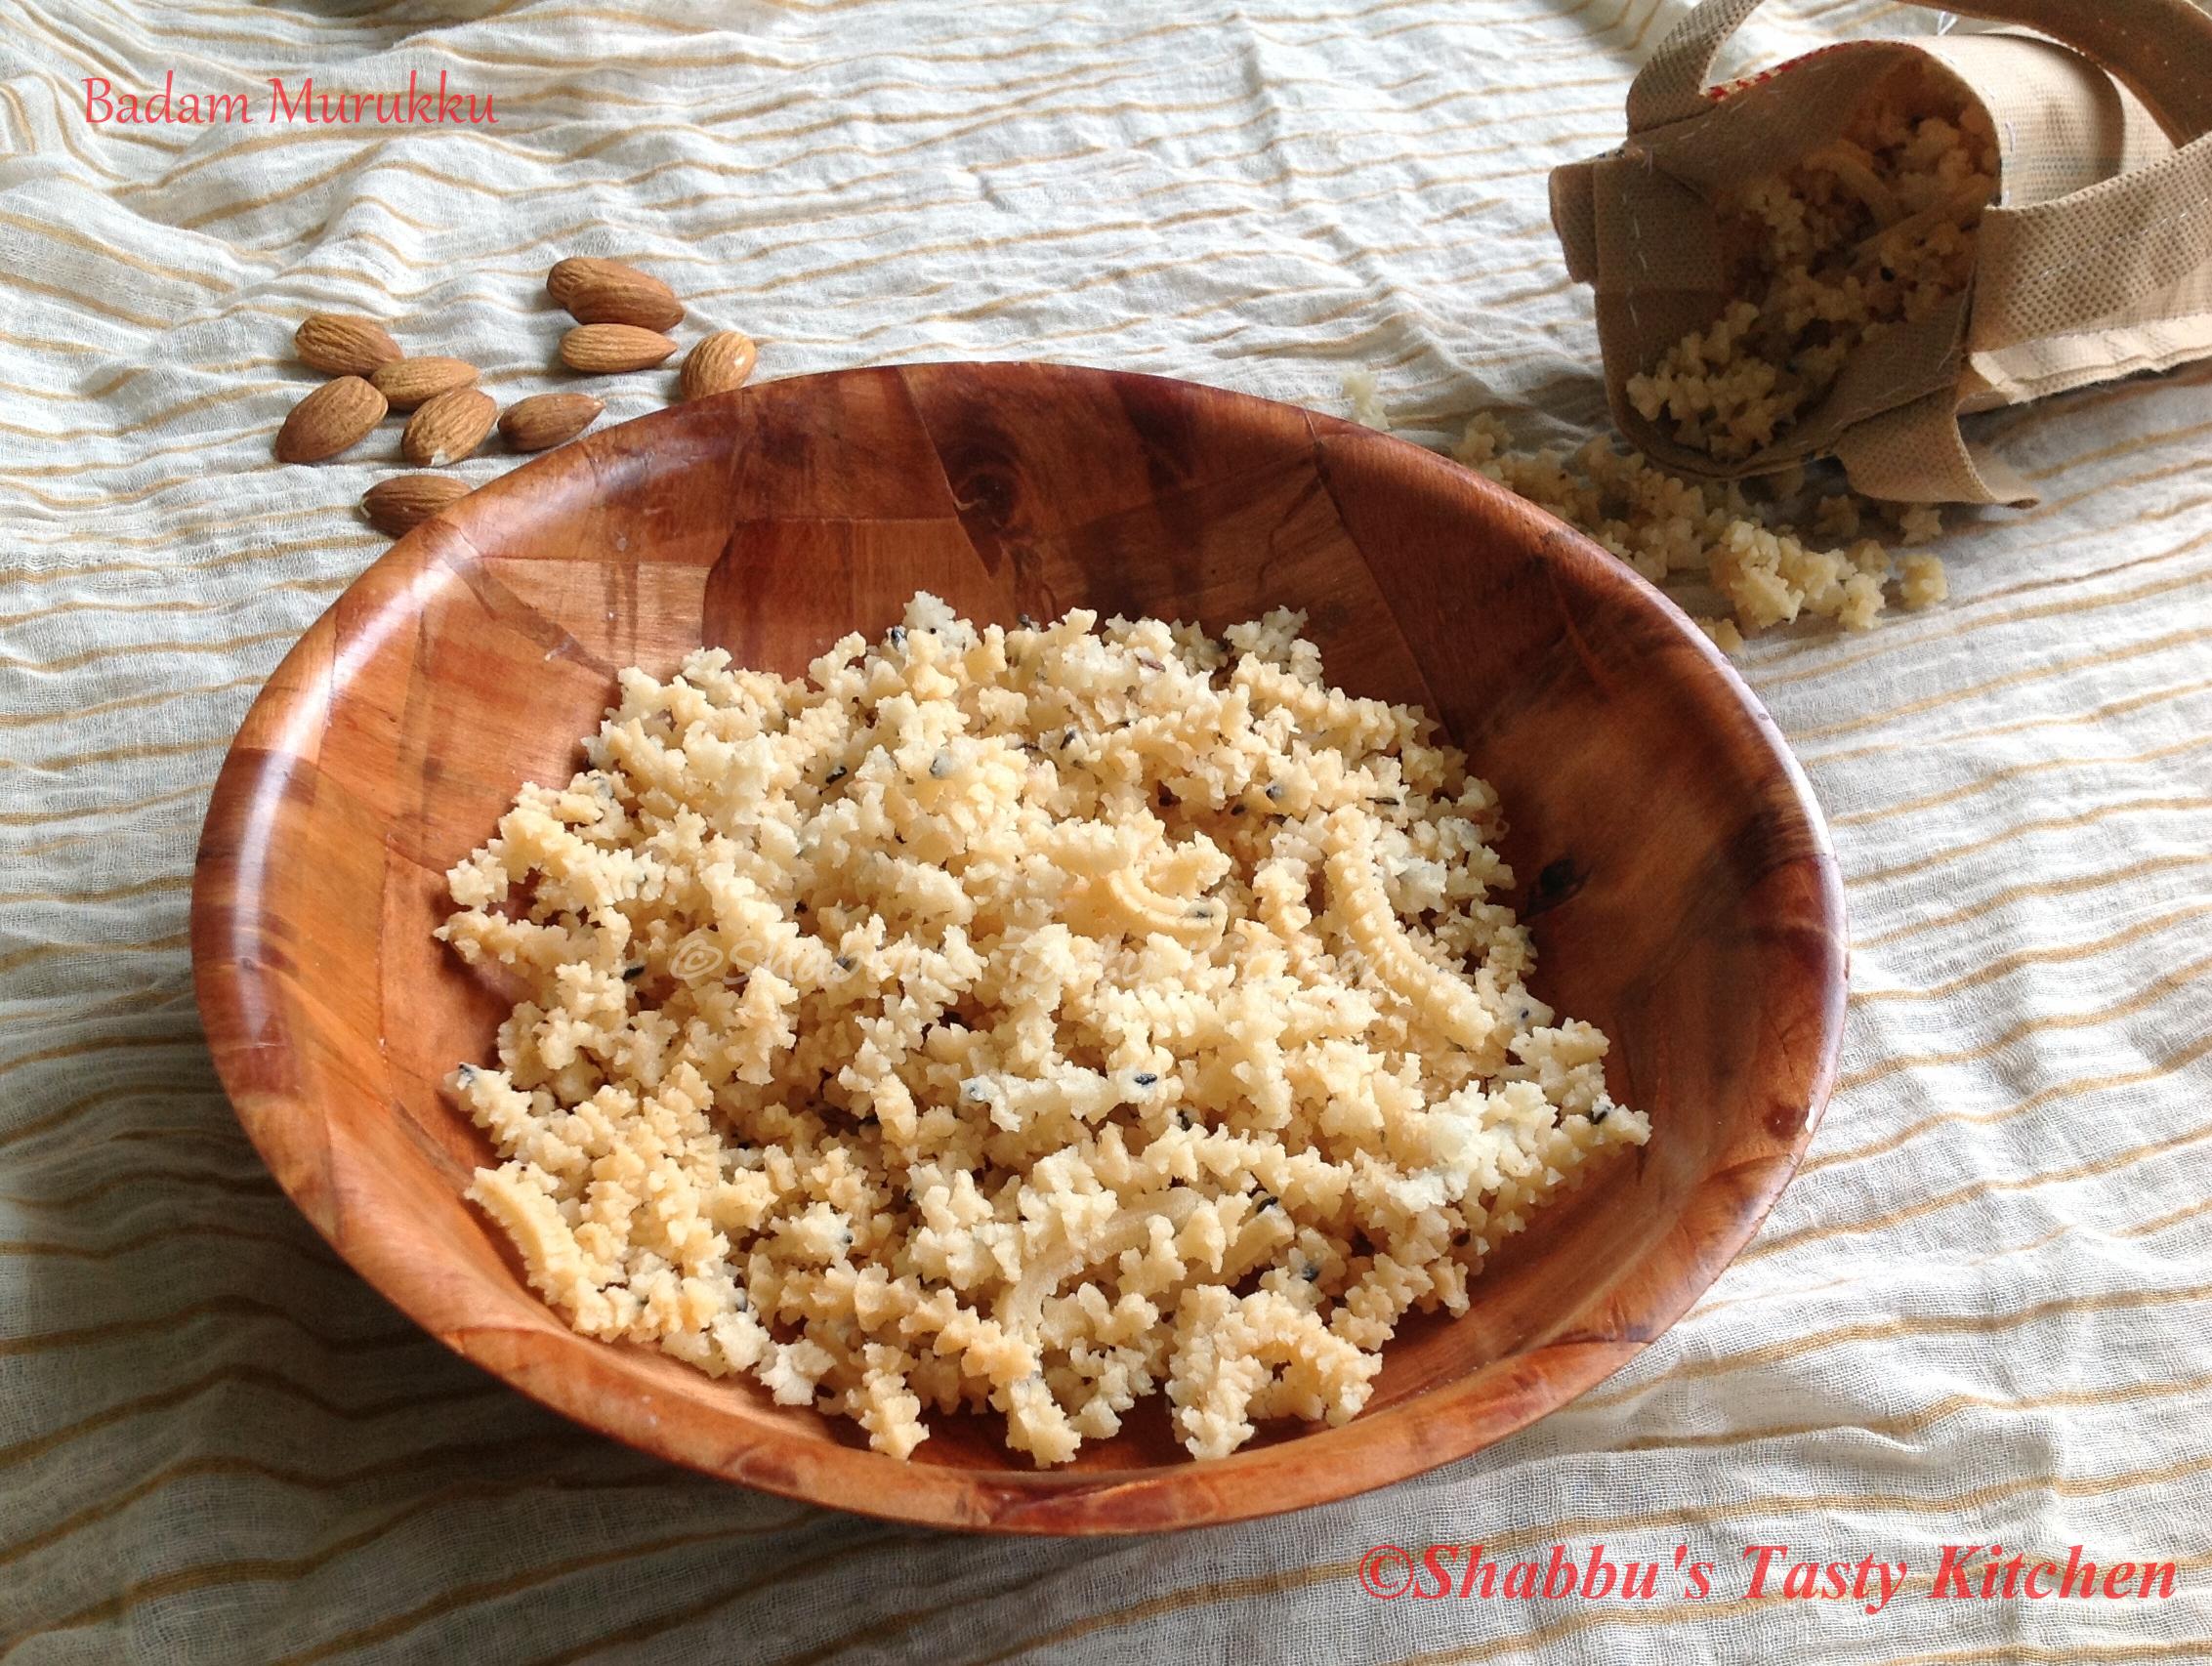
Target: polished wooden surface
[{"x": 1680, "y": 884}]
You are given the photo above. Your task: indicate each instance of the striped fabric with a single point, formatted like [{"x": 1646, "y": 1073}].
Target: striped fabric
[{"x": 1984, "y": 1314}]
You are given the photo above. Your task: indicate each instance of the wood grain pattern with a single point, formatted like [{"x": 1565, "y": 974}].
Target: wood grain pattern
[{"x": 1681, "y": 885}]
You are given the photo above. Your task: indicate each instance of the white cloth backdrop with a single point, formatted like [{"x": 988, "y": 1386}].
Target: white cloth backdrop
[{"x": 1983, "y": 1312}]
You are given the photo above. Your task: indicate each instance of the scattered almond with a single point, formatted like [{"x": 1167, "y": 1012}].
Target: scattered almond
[
  {"x": 405, "y": 501},
  {"x": 410, "y": 381},
  {"x": 607, "y": 292},
  {"x": 337, "y": 415},
  {"x": 546, "y": 420},
  {"x": 602, "y": 349},
  {"x": 718, "y": 364},
  {"x": 448, "y": 428},
  {"x": 342, "y": 343}
]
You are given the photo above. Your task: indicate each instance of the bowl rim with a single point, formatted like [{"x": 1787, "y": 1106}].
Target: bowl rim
[{"x": 1372, "y": 1452}]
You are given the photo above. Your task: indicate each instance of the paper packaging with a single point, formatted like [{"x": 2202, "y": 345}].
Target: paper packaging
[{"x": 2095, "y": 262}]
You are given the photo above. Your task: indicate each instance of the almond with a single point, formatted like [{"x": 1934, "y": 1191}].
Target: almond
[
  {"x": 718, "y": 364},
  {"x": 405, "y": 501},
  {"x": 336, "y": 415},
  {"x": 410, "y": 381},
  {"x": 341, "y": 344},
  {"x": 448, "y": 428},
  {"x": 607, "y": 292},
  {"x": 599, "y": 349},
  {"x": 546, "y": 420}
]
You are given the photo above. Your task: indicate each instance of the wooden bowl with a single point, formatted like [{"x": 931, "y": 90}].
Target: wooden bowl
[{"x": 1673, "y": 864}]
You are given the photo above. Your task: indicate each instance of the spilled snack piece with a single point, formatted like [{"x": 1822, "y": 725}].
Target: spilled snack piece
[
  {"x": 335, "y": 417},
  {"x": 546, "y": 420},
  {"x": 1793, "y": 550},
  {"x": 1761, "y": 557},
  {"x": 598, "y": 291},
  {"x": 396, "y": 506},
  {"x": 343, "y": 344},
  {"x": 719, "y": 363},
  {"x": 1023, "y": 1021},
  {"x": 448, "y": 428},
  {"x": 610, "y": 348},
  {"x": 407, "y": 382}
]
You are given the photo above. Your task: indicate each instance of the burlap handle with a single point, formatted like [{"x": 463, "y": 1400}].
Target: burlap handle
[
  {"x": 2049, "y": 268},
  {"x": 2156, "y": 48},
  {"x": 2054, "y": 258}
]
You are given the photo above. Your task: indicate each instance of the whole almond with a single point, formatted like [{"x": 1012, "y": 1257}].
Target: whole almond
[
  {"x": 546, "y": 420},
  {"x": 342, "y": 343},
  {"x": 602, "y": 349},
  {"x": 410, "y": 381},
  {"x": 337, "y": 415},
  {"x": 448, "y": 428},
  {"x": 607, "y": 292},
  {"x": 405, "y": 501},
  {"x": 718, "y": 364}
]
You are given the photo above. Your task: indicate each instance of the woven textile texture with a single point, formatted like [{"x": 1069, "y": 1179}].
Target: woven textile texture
[{"x": 1981, "y": 1314}]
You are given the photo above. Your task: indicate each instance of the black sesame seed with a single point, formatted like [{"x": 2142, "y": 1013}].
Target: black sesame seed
[
  {"x": 1599, "y": 1115},
  {"x": 1275, "y": 792},
  {"x": 630, "y": 974},
  {"x": 836, "y": 775},
  {"x": 468, "y": 1074},
  {"x": 1145, "y": 1078},
  {"x": 1026, "y": 622},
  {"x": 1268, "y": 1200},
  {"x": 896, "y": 635},
  {"x": 844, "y": 963},
  {"x": 941, "y": 765},
  {"x": 1313, "y": 1272}
]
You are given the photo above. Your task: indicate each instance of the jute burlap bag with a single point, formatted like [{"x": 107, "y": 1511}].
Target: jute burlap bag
[{"x": 2094, "y": 263}]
